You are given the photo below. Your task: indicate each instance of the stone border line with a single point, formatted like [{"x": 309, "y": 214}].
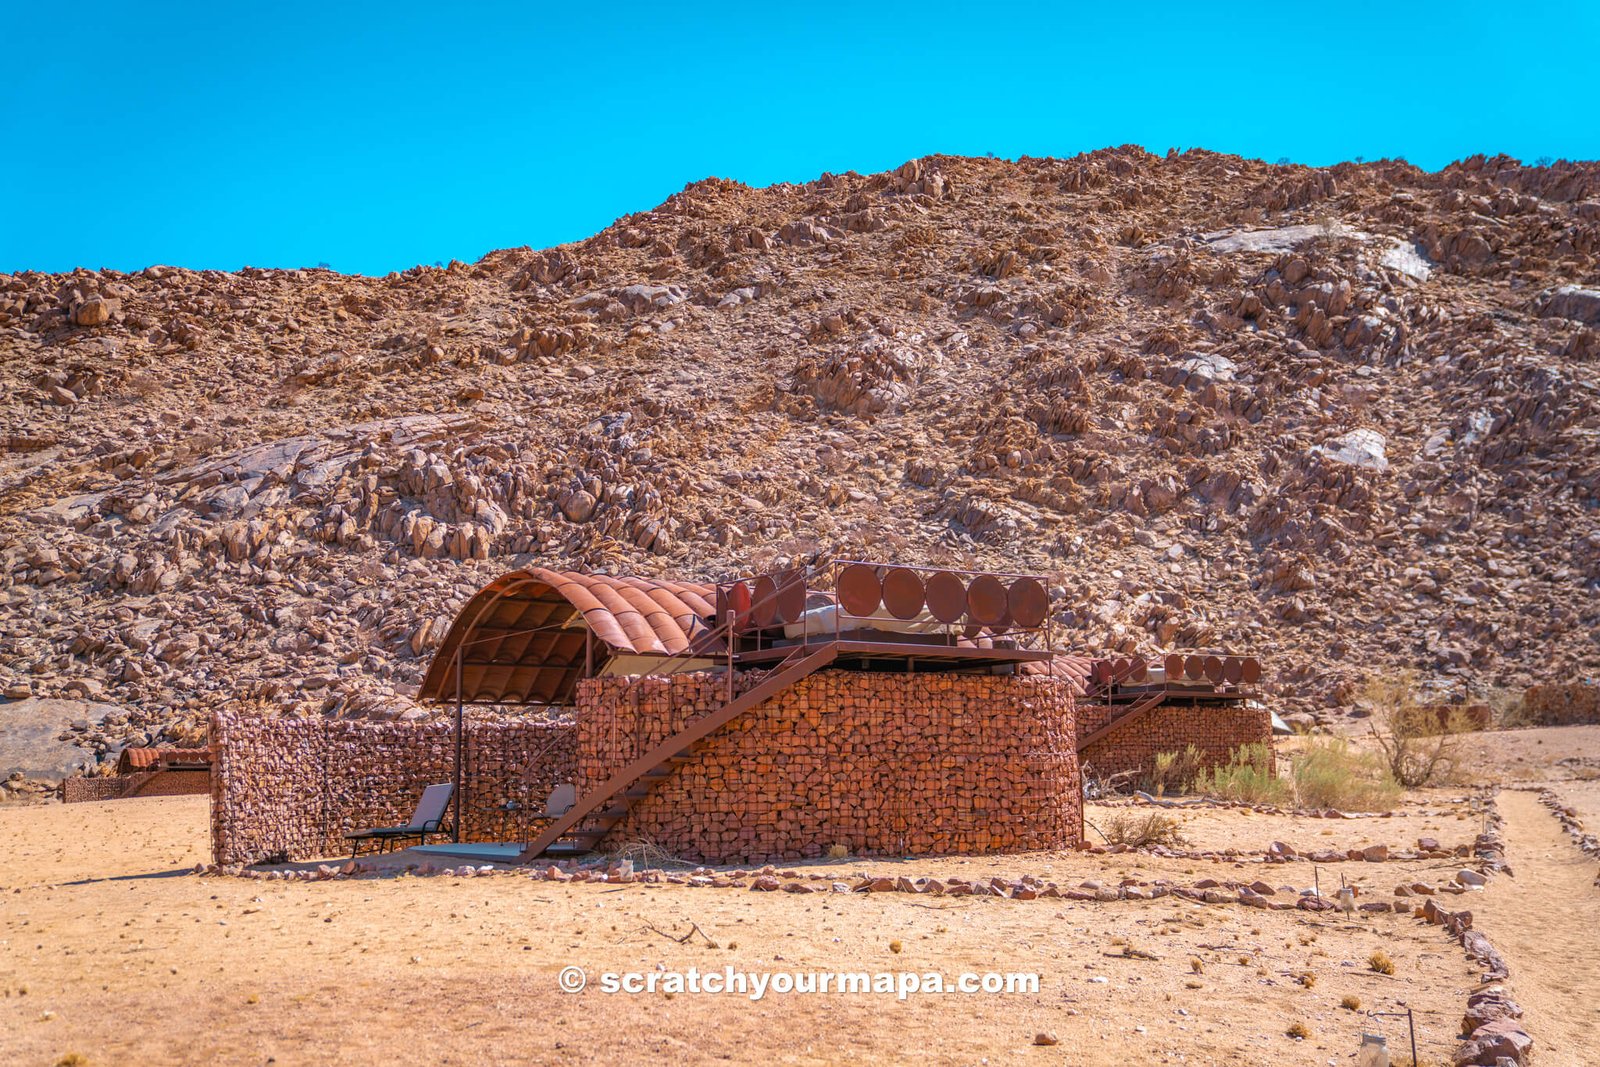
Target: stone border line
[
  {"x": 1257, "y": 894},
  {"x": 1567, "y": 816},
  {"x": 1494, "y": 1036}
]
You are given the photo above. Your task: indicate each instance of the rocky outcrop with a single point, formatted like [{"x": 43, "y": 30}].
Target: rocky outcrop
[{"x": 1343, "y": 418}]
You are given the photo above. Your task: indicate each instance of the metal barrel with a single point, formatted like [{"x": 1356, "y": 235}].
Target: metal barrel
[
  {"x": 903, "y": 594},
  {"x": 764, "y": 602},
  {"x": 1028, "y": 603},
  {"x": 859, "y": 591},
  {"x": 987, "y": 602},
  {"x": 946, "y": 597}
]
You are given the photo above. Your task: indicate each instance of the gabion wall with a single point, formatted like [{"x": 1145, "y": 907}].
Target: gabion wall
[
  {"x": 290, "y": 789},
  {"x": 876, "y": 763}
]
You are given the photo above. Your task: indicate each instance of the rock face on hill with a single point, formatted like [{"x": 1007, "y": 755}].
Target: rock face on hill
[{"x": 1343, "y": 418}]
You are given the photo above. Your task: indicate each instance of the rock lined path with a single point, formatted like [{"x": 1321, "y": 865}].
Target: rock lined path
[{"x": 1546, "y": 923}]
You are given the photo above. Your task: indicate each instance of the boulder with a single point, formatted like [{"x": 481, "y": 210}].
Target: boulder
[
  {"x": 1493, "y": 1041},
  {"x": 1571, "y": 302}
]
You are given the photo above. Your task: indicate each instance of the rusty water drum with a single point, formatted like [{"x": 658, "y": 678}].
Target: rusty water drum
[
  {"x": 1028, "y": 603},
  {"x": 734, "y": 597},
  {"x": 1194, "y": 667},
  {"x": 987, "y": 601},
  {"x": 1250, "y": 670},
  {"x": 1138, "y": 670},
  {"x": 1120, "y": 668},
  {"x": 1100, "y": 672},
  {"x": 1173, "y": 665},
  {"x": 946, "y": 596},
  {"x": 764, "y": 602},
  {"x": 791, "y": 595},
  {"x": 1214, "y": 668},
  {"x": 902, "y": 593},
  {"x": 859, "y": 591},
  {"x": 1232, "y": 670}
]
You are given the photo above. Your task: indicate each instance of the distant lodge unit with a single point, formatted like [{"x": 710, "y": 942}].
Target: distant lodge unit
[
  {"x": 882, "y": 708},
  {"x": 146, "y": 772}
]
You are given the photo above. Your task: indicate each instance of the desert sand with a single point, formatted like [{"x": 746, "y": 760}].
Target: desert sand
[{"x": 112, "y": 949}]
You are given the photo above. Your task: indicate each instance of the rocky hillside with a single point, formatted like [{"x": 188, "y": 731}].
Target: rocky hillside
[{"x": 1343, "y": 418}]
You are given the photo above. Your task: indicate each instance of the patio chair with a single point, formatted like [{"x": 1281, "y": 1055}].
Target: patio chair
[
  {"x": 562, "y": 797},
  {"x": 428, "y": 819}
]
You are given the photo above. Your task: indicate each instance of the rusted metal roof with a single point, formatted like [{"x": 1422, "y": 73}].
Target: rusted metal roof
[
  {"x": 1074, "y": 669},
  {"x": 524, "y": 639},
  {"x": 143, "y": 759},
  {"x": 529, "y": 636}
]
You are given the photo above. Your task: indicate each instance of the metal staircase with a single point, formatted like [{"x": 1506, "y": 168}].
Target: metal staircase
[
  {"x": 587, "y": 822},
  {"x": 1141, "y": 707}
]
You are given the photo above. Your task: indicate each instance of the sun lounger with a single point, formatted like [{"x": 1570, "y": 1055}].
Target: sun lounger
[
  {"x": 562, "y": 797},
  {"x": 428, "y": 819}
]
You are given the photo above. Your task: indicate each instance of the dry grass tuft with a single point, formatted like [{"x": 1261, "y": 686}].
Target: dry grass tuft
[
  {"x": 1175, "y": 771},
  {"x": 1299, "y": 1030},
  {"x": 1141, "y": 830},
  {"x": 1350, "y": 1002},
  {"x": 1380, "y": 962},
  {"x": 1197, "y": 965}
]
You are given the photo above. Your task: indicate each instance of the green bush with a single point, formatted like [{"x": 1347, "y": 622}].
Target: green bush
[
  {"x": 1330, "y": 773},
  {"x": 1249, "y": 777}
]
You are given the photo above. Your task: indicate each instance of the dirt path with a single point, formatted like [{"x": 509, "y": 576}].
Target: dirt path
[{"x": 1546, "y": 922}]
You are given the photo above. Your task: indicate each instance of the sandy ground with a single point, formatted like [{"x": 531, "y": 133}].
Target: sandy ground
[
  {"x": 1439, "y": 814},
  {"x": 109, "y": 949},
  {"x": 112, "y": 950},
  {"x": 1548, "y": 753}
]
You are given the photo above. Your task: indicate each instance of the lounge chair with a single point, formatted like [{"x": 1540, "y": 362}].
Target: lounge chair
[
  {"x": 562, "y": 797},
  {"x": 428, "y": 819}
]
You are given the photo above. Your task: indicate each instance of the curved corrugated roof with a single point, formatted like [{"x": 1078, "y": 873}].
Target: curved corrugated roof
[
  {"x": 142, "y": 759},
  {"x": 1074, "y": 669},
  {"x": 523, "y": 636}
]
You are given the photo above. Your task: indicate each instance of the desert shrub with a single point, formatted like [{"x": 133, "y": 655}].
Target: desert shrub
[
  {"x": 1380, "y": 962},
  {"x": 1249, "y": 777},
  {"x": 644, "y": 852},
  {"x": 1175, "y": 771},
  {"x": 1137, "y": 831},
  {"x": 1298, "y": 1029},
  {"x": 1350, "y": 1002},
  {"x": 1330, "y": 773},
  {"x": 1416, "y": 747}
]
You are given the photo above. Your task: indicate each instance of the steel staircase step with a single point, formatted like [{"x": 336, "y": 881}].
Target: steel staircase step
[{"x": 632, "y": 782}]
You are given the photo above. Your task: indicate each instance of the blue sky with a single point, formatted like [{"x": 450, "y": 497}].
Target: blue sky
[{"x": 374, "y": 137}]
